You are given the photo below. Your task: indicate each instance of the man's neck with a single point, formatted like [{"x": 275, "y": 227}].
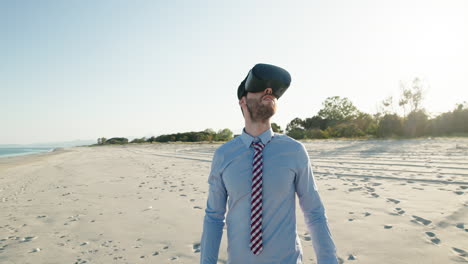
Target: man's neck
[{"x": 255, "y": 129}]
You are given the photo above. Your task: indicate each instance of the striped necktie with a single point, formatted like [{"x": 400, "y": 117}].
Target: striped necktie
[{"x": 256, "y": 243}]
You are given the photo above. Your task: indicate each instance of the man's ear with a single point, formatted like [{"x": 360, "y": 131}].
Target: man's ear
[
  {"x": 242, "y": 101},
  {"x": 242, "y": 104}
]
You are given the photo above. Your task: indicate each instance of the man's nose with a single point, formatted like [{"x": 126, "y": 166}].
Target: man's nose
[{"x": 269, "y": 91}]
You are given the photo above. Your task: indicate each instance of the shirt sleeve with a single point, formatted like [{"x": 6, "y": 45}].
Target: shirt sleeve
[
  {"x": 314, "y": 212},
  {"x": 214, "y": 214}
]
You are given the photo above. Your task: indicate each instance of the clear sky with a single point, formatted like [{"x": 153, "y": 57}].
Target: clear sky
[{"x": 87, "y": 69}]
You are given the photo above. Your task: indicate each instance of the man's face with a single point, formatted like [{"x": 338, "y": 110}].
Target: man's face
[{"x": 262, "y": 105}]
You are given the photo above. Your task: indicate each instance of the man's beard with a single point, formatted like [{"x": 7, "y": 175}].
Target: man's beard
[{"x": 259, "y": 112}]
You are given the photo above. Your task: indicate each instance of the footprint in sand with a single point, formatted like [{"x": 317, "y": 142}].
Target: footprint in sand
[
  {"x": 433, "y": 238},
  {"x": 306, "y": 237},
  {"x": 27, "y": 239},
  {"x": 80, "y": 261},
  {"x": 393, "y": 200},
  {"x": 420, "y": 220},
  {"x": 461, "y": 226},
  {"x": 196, "y": 247},
  {"x": 460, "y": 252},
  {"x": 399, "y": 211},
  {"x": 197, "y": 207}
]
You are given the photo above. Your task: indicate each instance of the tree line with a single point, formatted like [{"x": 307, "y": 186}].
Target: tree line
[
  {"x": 208, "y": 135},
  {"x": 340, "y": 118}
]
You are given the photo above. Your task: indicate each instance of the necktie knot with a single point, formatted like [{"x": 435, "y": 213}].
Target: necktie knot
[{"x": 258, "y": 146}]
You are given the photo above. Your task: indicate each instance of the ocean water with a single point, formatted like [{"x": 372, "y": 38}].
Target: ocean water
[{"x": 8, "y": 152}]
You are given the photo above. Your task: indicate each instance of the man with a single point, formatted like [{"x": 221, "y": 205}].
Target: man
[{"x": 258, "y": 175}]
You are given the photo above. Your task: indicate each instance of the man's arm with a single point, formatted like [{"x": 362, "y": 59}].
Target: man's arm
[
  {"x": 314, "y": 212},
  {"x": 214, "y": 215}
]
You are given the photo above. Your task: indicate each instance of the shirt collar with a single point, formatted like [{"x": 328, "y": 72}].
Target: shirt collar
[{"x": 265, "y": 137}]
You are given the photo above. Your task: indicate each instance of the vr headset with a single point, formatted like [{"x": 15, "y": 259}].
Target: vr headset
[{"x": 263, "y": 76}]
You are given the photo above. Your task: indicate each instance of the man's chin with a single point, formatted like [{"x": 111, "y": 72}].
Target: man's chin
[
  {"x": 268, "y": 114},
  {"x": 272, "y": 109}
]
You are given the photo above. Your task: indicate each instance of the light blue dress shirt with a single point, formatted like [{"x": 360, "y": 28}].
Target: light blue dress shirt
[{"x": 286, "y": 171}]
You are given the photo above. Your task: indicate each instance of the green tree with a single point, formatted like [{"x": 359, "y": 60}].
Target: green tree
[
  {"x": 346, "y": 129},
  {"x": 101, "y": 141},
  {"x": 412, "y": 96},
  {"x": 224, "y": 135},
  {"x": 139, "y": 140},
  {"x": 294, "y": 124},
  {"x": 276, "y": 128},
  {"x": 417, "y": 95},
  {"x": 337, "y": 109},
  {"x": 366, "y": 123},
  {"x": 415, "y": 124},
  {"x": 296, "y": 133},
  {"x": 449, "y": 123},
  {"x": 316, "y": 133},
  {"x": 117, "y": 140},
  {"x": 390, "y": 125},
  {"x": 460, "y": 116},
  {"x": 211, "y": 134},
  {"x": 443, "y": 124},
  {"x": 315, "y": 122},
  {"x": 387, "y": 106},
  {"x": 405, "y": 98}
]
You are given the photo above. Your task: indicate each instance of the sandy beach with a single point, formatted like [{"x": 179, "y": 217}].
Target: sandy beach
[{"x": 387, "y": 201}]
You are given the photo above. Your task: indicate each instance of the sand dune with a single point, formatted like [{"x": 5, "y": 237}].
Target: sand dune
[{"x": 387, "y": 201}]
